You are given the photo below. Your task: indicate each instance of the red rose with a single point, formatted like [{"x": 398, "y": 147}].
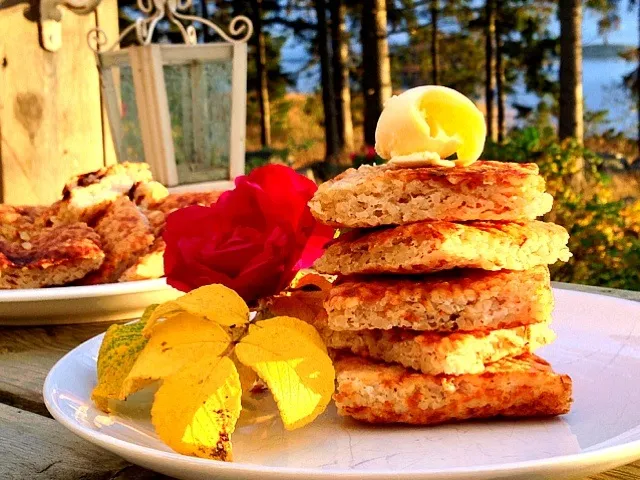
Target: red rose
[
  {"x": 371, "y": 152},
  {"x": 252, "y": 240}
]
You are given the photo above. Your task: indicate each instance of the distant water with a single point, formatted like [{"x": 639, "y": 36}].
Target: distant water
[{"x": 603, "y": 90}]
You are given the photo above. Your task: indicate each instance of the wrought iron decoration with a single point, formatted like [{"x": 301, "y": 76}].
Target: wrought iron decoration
[
  {"x": 146, "y": 67},
  {"x": 240, "y": 28}
]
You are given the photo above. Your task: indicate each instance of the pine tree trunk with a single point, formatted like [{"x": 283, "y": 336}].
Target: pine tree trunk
[
  {"x": 341, "y": 85},
  {"x": 376, "y": 79},
  {"x": 435, "y": 61},
  {"x": 570, "y": 121},
  {"x": 489, "y": 82},
  {"x": 328, "y": 93},
  {"x": 262, "y": 86},
  {"x": 638, "y": 83},
  {"x": 500, "y": 93}
]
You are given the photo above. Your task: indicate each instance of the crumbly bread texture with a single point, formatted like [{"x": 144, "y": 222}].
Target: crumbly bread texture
[
  {"x": 175, "y": 201},
  {"x": 157, "y": 203},
  {"x": 425, "y": 247},
  {"x": 49, "y": 256},
  {"x": 145, "y": 194},
  {"x": 148, "y": 266},
  {"x": 17, "y": 220},
  {"x": 459, "y": 300},
  {"x": 436, "y": 353},
  {"x": 87, "y": 197},
  {"x": 383, "y": 195},
  {"x": 126, "y": 235},
  {"x": 512, "y": 387},
  {"x": 122, "y": 213}
]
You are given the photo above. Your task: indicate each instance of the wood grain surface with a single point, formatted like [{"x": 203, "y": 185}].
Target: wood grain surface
[
  {"x": 27, "y": 355},
  {"x": 34, "y": 446},
  {"x": 51, "y": 124}
]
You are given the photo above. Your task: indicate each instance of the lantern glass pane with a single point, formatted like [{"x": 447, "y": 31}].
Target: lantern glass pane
[
  {"x": 199, "y": 97},
  {"x": 131, "y": 149}
]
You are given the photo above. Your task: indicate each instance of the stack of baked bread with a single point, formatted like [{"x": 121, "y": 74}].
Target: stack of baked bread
[
  {"x": 107, "y": 227},
  {"x": 443, "y": 292}
]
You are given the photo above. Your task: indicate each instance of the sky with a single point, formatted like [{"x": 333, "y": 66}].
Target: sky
[{"x": 294, "y": 54}]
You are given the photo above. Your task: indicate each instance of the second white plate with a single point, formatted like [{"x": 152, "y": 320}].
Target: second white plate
[
  {"x": 598, "y": 345},
  {"x": 82, "y": 304}
]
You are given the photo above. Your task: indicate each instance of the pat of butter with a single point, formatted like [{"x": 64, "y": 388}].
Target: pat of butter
[{"x": 425, "y": 125}]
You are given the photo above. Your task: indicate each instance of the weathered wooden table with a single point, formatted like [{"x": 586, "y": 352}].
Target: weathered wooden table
[{"x": 34, "y": 446}]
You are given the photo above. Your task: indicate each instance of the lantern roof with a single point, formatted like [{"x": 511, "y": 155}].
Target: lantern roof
[{"x": 240, "y": 28}]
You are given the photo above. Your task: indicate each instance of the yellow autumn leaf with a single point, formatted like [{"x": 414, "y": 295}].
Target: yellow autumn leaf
[
  {"x": 119, "y": 350},
  {"x": 289, "y": 355},
  {"x": 213, "y": 302},
  {"x": 195, "y": 410},
  {"x": 182, "y": 339}
]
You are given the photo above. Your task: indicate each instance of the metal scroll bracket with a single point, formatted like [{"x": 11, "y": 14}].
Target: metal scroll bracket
[{"x": 51, "y": 17}]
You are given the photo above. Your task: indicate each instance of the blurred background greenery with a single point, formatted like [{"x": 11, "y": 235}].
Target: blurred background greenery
[{"x": 557, "y": 80}]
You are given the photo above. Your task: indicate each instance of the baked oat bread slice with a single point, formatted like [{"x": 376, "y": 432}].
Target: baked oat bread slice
[
  {"x": 425, "y": 247},
  {"x": 148, "y": 266},
  {"x": 437, "y": 353},
  {"x": 522, "y": 386},
  {"x": 126, "y": 235},
  {"x": 156, "y": 202},
  {"x": 145, "y": 194},
  {"x": 16, "y": 221},
  {"x": 86, "y": 197},
  {"x": 459, "y": 300},
  {"x": 174, "y": 201},
  {"x": 383, "y": 195},
  {"x": 49, "y": 256}
]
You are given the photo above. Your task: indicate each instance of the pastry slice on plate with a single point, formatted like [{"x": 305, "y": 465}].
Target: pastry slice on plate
[
  {"x": 436, "y": 353},
  {"x": 49, "y": 256},
  {"x": 87, "y": 197},
  {"x": 522, "y": 386},
  {"x": 459, "y": 300},
  {"x": 148, "y": 266},
  {"x": 426, "y": 247},
  {"x": 372, "y": 196},
  {"x": 126, "y": 236}
]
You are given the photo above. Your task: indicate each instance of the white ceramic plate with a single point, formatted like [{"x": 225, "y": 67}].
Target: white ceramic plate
[
  {"x": 82, "y": 304},
  {"x": 598, "y": 345}
]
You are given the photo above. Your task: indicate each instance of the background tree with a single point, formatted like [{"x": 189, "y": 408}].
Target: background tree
[
  {"x": 411, "y": 63},
  {"x": 340, "y": 58},
  {"x": 262, "y": 88},
  {"x": 635, "y": 85},
  {"x": 435, "y": 60},
  {"x": 570, "y": 120},
  {"x": 499, "y": 71},
  {"x": 376, "y": 78},
  {"x": 328, "y": 93},
  {"x": 489, "y": 66}
]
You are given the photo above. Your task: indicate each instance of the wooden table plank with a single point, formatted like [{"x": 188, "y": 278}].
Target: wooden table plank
[
  {"x": 611, "y": 292},
  {"x": 27, "y": 355},
  {"x": 628, "y": 472},
  {"x": 35, "y": 447}
]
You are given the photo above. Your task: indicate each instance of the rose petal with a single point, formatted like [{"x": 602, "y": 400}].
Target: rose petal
[
  {"x": 322, "y": 234},
  {"x": 252, "y": 240}
]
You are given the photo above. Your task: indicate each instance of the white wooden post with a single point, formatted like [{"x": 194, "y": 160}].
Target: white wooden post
[{"x": 238, "y": 110}]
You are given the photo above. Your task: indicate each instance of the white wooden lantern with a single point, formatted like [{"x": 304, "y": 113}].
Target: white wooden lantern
[{"x": 179, "y": 107}]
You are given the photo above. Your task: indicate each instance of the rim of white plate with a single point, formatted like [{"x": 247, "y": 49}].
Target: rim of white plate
[
  {"x": 592, "y": 457},
  {"x": 82, "y": 291}
]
